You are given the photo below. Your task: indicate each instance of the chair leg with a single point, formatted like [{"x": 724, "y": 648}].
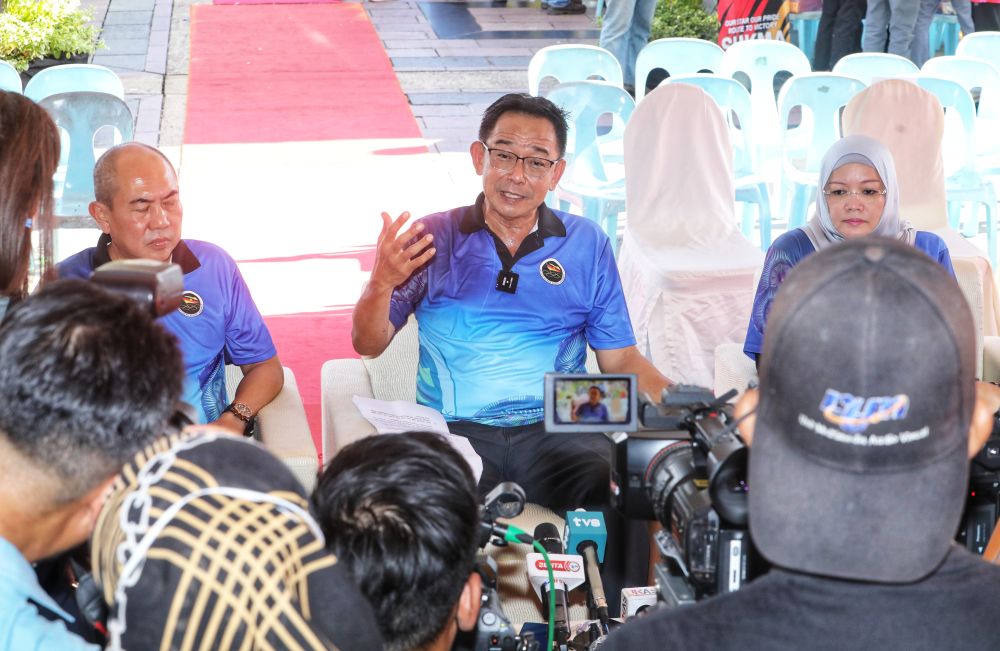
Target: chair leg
[
  {"x": 748, "y": 216},
  {"x": 764, "y": 210},
  {"x": 797, "y": 209},
  {"x": 970, "y": 225}
]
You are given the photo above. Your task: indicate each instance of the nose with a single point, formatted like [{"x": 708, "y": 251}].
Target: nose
[
  {"x": 517, "y": 172},
  {"x": 854, "y": 201},
  {"x": 158, "y": 217}
]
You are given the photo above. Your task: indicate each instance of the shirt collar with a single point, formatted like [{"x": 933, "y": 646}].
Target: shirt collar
[
  {"x": 474, "y": 220},
  {"x": 182, "y": 255},
  {"x": 20, "y": 578}
]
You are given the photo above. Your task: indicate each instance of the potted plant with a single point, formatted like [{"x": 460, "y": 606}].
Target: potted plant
[
  {"x": 35, "y": 34},
  {"x": 684, "y": 18}
]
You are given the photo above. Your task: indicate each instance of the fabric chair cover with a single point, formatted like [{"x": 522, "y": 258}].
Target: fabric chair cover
[
  {"x": 687, "y": 270},
  {"x": 910, "y": 122}
]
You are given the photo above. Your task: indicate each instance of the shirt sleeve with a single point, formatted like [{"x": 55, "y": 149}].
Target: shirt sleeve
[
  {"x": 248, "y": 341},
  {"x": 784, "y": 254},
  {"x": 608, "y": 325},
  {"x": 406, "y": 297}
]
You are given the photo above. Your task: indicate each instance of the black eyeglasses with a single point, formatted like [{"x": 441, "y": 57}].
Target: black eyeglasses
[{"x": 505, "y": 161}]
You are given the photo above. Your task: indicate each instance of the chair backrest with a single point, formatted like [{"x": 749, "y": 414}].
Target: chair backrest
[
  {"x": 734, "y": 100},
  {"x": 587, "y": 102},
  {"x": 568, "y": 62},
  {"x": 821, "y": 95},
  {"x": 985, "y": 45},
  {"x": 81, "y": 115},
  {"x": 869, "y": 66},
  {"x": 759, "y": 61},
  {"x": 972, "y": 73},
  {"x": 676, "y": 56},
  {"x": 909, "y": 121},
  {"x": 10, "y": 79},
  {"x": 958, "y": 149},
  {"x": 73, "y": 77}
]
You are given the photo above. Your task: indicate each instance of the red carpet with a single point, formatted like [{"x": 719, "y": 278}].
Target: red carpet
[
  {"x": 294, "y": 73},
  {"x": 290, "y": 73}
]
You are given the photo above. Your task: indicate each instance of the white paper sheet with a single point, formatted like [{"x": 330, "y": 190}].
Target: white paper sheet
[{"x": 400, "y": 416}]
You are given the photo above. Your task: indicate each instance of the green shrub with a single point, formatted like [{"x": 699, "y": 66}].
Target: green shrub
[
  {"x": 684, "y": 18},
  {"x": 35, "y": 29}
]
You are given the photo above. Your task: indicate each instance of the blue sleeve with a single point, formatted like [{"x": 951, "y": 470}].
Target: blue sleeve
[
  {"x": 248, "y": 340},
  {"x": 608, "y": 325},
  {"x": 783, "y": 254},
  {"x": 935, "y": 247},
  {"x": 406, "y": 297}
]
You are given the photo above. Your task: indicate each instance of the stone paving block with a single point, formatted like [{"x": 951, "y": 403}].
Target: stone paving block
[
  {"x": 453, "y": 98},
  {"x": 114, "y": 32},
  {"x": 131, "y": 5},
  {"x": 440, "y": 63},
  {"x": 379, "y": 12},
  {"x": 128, "y": 17},
  {"x": 415, "y": 81},
  {"x": 162, "y": 10},
  {"x": 389, "y": 37},
  {"x": 140, "y": 82},
  {"x": 123, "y": 61},
  {"x": 412, "y": 52},
  {"x": 160, "y": 22},
  {"x": 159, "y": 37},
  {"x": 175, "y": 85},
  {"x": 125, "y": 46},
  {"x": 425, "y": 110},
  {"x": 484, "y": 51},
  {"x": 519, "y": 63},
  {"x": 409, "y": 19},
  {"x": 436, "y": 123},
  {"x": 151, "y": 138},
  {"x": 156, "y": 65}
]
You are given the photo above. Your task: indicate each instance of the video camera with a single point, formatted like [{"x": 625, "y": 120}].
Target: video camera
[
  {"x": 679, "y": 462},
  {"x": 982, "y": 506}
]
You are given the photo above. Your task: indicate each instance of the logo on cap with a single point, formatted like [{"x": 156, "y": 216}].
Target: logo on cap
[
  {"x": 191, "y": 304},
  {"x": 552, "y": 272},
  {"x": 855, "y": 413}
]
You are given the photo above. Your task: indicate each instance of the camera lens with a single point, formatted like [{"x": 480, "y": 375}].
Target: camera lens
[{"x": 672, "y": 466}]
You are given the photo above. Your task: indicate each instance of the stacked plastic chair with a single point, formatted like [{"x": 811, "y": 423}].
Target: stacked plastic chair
[
  {"x": 10, "y": 80},
  {"x": 568, "y": 62},
  {"x": 675, "y": 56},
  {"x": 751, "y": 188},
  {"x": 687, "y": 271},
  {"x": 983, "y": 45},
  {"x": 820, "y": 96},
  {"x": 72, "y": 77},
  {"x": 870, "y": 66},
  {"x": 592, "y": 180}
]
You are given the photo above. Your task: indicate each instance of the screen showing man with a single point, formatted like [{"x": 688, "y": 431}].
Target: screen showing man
[{"x": 586, "y": 401}]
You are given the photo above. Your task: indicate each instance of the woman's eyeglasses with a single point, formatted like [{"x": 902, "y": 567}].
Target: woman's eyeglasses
[{"x": 867, "y": 195}]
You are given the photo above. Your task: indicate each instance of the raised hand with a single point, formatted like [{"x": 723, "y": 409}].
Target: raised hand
[{"x": 398, "y": 255}]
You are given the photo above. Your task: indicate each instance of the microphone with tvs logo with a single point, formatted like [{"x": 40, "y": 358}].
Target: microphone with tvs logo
[
  {"x": 586, "y": 534},
  {"x": 567, "y": 570}
]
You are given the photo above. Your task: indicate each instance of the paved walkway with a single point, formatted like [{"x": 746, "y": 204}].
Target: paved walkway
[{"x": 452, "y": 58}]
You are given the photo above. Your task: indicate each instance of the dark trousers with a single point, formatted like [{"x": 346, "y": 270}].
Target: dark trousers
[
  {"x": 563, "y": 472},
  {"x": 986, "y": 16},
  {"x": 839, "y": 31}
]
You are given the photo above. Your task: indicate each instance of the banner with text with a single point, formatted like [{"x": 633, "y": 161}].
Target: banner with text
[{"x": 741, "y": 20}]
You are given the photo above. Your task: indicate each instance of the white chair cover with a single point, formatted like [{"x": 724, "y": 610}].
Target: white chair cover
[
  {"x": 910, "y": 122},
  {"x": 687, "y": 270}
]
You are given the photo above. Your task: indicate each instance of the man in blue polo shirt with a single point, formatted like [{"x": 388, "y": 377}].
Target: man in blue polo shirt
[
  {"x": 504, "y": 291},
  {"x": 138, "y": 208}
]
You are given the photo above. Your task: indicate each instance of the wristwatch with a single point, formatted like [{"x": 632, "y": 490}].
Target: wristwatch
[{"x": 241, "y": 411}]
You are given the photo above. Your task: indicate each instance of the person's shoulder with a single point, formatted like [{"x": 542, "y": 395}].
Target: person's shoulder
[
  {"x": 202, "y": 250},
  {"x": 78, "y": 265},
  {"x": 792, "y": 240},
  {"x": 929, "y": 241}
]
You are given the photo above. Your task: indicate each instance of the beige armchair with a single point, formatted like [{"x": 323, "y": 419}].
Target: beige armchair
[{"x": 283, "y": 429}]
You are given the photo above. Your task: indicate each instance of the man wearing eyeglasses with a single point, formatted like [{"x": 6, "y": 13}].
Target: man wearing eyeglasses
[{"x": 504, "y": 291}]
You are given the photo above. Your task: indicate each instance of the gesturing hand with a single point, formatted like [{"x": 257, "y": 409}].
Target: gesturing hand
[{"x": 395, "y": 256}]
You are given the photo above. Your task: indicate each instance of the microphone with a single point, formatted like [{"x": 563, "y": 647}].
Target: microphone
[
  {"x": 547, "y": 534},
  {"x": 587, "y": 534}
]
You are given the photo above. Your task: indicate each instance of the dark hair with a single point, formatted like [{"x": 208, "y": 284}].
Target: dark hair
[
  {"x": 538, "y": 107},
  {"x": 106, "y": 170},
  {"x": 400, "y": 512},
  {"x": 29, "y": 155},
  {"x": 87, "y": 379}
]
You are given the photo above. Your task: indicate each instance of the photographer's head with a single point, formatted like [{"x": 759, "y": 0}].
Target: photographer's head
[
  {"x": 87, "y": 378},
  {"x": 29, "y": 154},
  {"x": 866, "y": 415},
  {"x": 400, "y": 511}
]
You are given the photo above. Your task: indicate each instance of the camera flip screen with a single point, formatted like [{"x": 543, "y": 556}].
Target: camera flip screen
[{"x": 590, "y": 403}]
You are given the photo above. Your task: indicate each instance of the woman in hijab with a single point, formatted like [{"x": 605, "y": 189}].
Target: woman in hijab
[{"x": 860, "y": 197}]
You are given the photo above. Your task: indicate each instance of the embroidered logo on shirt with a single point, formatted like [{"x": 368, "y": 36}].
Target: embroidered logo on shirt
[
  {"x": 552, "y": 271},
  {"x": 191, "y": 304}
]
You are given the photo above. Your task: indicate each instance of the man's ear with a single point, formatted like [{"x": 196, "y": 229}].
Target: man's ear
[
  {"x": 469, "y": 602},
  {"x": 101, "y": 215},
  {"x": 745, "y": 411},
  {"x": 557, "y": 173},
  {"x": 478, "y": 153}
]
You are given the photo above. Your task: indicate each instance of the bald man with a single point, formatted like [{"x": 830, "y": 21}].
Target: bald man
[{"x": 138, "y": 209}]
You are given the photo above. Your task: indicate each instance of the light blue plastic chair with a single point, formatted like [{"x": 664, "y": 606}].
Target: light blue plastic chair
[
  {"x": 973, "y": 73},
  {"x": 984, "y": 45},
  {"x": 569, "y": 62},
  {"x": 9, "y": 78},
  {"x": 676, "y": 56},
  {"x": 821, "y": 95},
  {"x": 964, "y": 183},
  {"x": 759, "y": 61},
  {"x": 73, "y": 77},
  {"x": 81, "y": 115},
  {"x": 869, "y": 66},
  {"x": 591, "y": 181},
  {"x": 734, "y": 100},
  {"x": 804, "y": 28}
]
